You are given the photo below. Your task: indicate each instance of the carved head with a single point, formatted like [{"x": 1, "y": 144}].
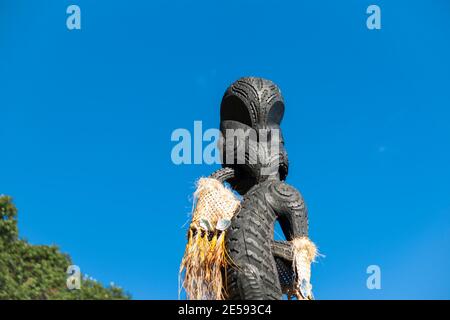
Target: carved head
[{"x": 251, "y": 140}]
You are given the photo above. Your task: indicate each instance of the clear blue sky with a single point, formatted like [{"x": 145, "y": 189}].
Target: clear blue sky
[{"x": 86, "y": 118}]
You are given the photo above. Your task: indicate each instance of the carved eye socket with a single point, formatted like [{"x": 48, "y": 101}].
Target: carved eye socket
[
  {"x": 276, "y": 113},
  {"x": 235, "y": 109}
]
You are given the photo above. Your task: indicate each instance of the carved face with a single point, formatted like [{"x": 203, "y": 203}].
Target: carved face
[{"x": 251, "y": 141}]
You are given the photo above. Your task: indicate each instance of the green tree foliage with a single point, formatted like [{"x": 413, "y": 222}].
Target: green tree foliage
[{"x": 39, "y": 272}]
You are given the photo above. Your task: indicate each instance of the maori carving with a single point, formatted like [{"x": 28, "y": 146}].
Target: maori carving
[{"x": 254, "y": 165}]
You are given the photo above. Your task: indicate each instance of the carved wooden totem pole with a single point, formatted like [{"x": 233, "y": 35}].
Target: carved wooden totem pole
[{"x": 231, "y": 251}]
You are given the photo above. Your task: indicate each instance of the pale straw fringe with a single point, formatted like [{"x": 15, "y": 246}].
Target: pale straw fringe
[
  {"x": 205, "y": 256},
  {"x": 304, "y": 253}
]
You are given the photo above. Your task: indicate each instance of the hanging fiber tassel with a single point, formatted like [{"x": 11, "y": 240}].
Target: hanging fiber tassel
[
  {"x": 304, "y": 253},
  {"x": 205, "y": 256}
]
